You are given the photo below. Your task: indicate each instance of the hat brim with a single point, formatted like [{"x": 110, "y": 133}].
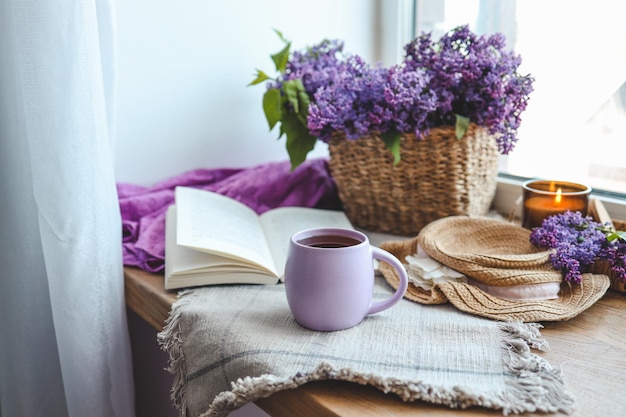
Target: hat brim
[
  {"x": 572, "y": 300},
  {"x": 492, "y": 251}
]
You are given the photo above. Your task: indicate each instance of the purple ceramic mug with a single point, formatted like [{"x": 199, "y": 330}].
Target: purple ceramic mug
[{"x": 329, "y": 278}]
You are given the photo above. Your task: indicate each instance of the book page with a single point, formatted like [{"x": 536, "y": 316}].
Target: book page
[
  {"x": 217, "y": 224},
  {"x": 181, "y": 260},
  {"x": 281, "y": 223}
]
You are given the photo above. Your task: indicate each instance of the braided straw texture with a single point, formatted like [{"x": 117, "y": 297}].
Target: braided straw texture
[
  {"x": 493, "y": 252},
  {"x": 437, "y": 176},
  {"x": 572, "y": 299}
]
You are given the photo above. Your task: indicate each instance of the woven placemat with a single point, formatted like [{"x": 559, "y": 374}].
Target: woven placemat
[{"x": 231, "y": 345}]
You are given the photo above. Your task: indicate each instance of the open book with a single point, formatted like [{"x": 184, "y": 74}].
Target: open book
[{"x": 214, "y": 239}]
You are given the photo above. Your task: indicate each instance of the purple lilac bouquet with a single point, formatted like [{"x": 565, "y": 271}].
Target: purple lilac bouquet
[
  {"x": 474, "y": 78},
  {"x": 459, "y": 79},
  {"x": 577, "y": 242}
]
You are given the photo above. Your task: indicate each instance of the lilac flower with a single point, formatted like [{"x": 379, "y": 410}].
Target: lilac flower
[
  {"x": 318, "y": 66},
  {"x": 372, "y": 100},
  {"x": 355, "y": 104},
  {"x": 473, "y": 76},
  {"x": 577, "y": 242},
  {"x": 323, "y": 90},
  {"x": 410, "y": 100},
  {"x": 462, "y": 74}
]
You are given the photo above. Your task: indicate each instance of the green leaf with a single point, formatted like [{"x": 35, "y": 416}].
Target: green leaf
[
  {"x": 461, "y": 126},
  {"x": 299, "y": 141},
  {"x": 303, "y": 103},
  {"x": 272, "y": 107},
  {"x": 280, "y": 58},
  {"x": 392, "y": 140},
  {"x": 292, "y": 91},
  {"x": 260, "y": 77},
  {"x": 280, "y": 35},
  {"x": 297, "y": 96},
  {"x": 614, "y": 235}
]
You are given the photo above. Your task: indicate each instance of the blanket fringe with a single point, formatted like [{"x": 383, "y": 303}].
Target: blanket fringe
[
  {"x": 170, "y": 341},
  {"x": 532, "y": 384}
]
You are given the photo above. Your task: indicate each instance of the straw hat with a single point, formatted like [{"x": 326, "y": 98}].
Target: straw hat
[{"x": 498, "y": 258}]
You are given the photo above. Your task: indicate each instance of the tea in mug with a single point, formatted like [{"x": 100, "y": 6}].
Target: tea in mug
[{"x": 329, "y": 241}]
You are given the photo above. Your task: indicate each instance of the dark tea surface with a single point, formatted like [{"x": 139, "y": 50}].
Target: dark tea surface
[{"x": 329, "y": 241}]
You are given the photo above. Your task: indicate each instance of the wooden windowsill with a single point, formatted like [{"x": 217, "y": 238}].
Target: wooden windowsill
[{"x": 590, "y": 349}]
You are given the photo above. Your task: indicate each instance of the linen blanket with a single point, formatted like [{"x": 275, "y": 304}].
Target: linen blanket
[
  {"x": 230, "y": 345},
  {"x": 261, "y": 187}
]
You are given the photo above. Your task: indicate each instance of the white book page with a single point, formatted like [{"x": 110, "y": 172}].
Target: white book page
[
  {"x": 211, "y": 222},
  {"x": 183, "y": 260},
  {"x": 281, "y": 223}
]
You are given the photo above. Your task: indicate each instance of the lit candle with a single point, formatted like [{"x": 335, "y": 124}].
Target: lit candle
[{"x": 546, "y": 198}]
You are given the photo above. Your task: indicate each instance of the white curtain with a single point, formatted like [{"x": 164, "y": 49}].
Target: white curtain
[{"x": 64, "y": 346}]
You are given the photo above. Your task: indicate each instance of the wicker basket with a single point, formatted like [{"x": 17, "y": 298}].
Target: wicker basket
[
  {"x": 604, "y": 267},
  {"x": 599, "y": 214},
  {"x": 437, "y": 176}
]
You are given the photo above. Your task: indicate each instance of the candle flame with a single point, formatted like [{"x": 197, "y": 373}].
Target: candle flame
[{"x": 558, "y": 197}]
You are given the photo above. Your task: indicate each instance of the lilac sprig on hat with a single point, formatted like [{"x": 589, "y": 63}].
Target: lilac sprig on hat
[{"x": 577, "y": 242}]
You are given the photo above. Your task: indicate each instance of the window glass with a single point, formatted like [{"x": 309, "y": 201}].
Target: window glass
[{"x": 574, "y": 127}]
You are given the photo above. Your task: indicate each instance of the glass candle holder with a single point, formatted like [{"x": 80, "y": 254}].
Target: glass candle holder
[{"x": 544, "y": 198}]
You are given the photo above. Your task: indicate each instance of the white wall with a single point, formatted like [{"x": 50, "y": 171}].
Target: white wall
[{"x": 183, "y": 69}]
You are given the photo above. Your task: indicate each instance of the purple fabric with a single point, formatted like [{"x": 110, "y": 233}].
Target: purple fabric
[{"x": 261, "y": 188}]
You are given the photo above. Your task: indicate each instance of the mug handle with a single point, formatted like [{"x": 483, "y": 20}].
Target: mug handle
[{"x": 383, "y": 255}]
